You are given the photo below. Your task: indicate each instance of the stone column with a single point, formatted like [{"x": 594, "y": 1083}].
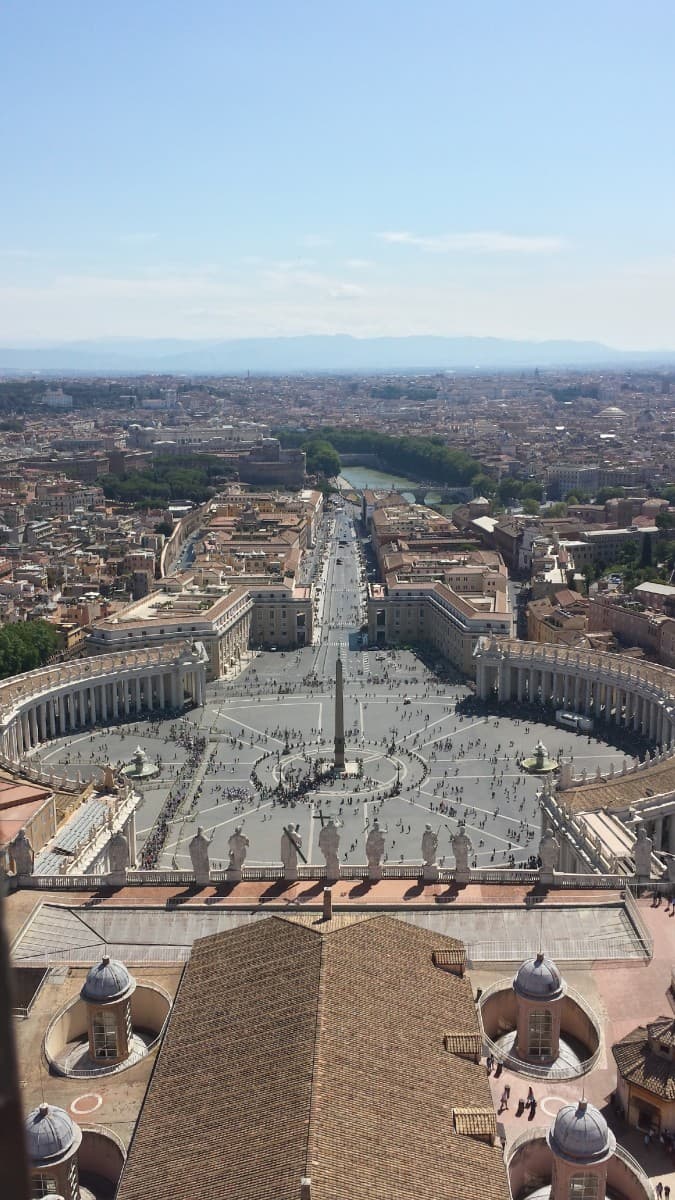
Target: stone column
[
  {"x": 504, "y": 681},
  {"x": 520, "y": 684},
  {"x": 32, "y": 724},
  {"x": 25, "y": 731},
  {"x": 176, "y": 688},
  {"x": 481, "y": 687},
  {"x": 62, "y": 713},
  {"x": 92, "y": 705},
  {"x": 42, "y": 715},
  {"x": 115, "y": 701},
  {"x": 160, "y": 689},
  {"x": 138, "y": 693},
  {"x": 126, "y": 696}
]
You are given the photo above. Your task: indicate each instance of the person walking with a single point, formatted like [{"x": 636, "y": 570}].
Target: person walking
[
  {"x": 659, "y": 1190},
  {"x": 505, "y": 1097}
]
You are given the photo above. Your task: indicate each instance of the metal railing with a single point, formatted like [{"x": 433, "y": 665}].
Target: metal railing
[
  {"x": 638, "y": 923},
  {"x": 634, "y": 1166},
  {"x": 539, "y": 1134},
  {"x": 519, "y": 1065}
]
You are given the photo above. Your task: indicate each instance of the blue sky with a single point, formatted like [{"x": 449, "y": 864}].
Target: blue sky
[{"x": 229, "y": 169}]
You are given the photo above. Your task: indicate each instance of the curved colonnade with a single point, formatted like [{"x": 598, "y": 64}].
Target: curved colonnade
[
  {"x": 54, "y": 701},
  {"x": 610, "y": 689}
]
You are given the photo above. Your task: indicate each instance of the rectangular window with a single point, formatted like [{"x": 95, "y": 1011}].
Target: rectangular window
[
  {"x": 583, "y": 1187},
  {"x": 43, "y": 1185},
  {"x": 540, "y": 1033},
  {"x": 104, "y": 1026}
]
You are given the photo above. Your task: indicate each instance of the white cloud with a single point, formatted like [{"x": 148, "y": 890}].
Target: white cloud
[
  {"x": 488, "y": 242},
  {"x": 358, "y": 264}
]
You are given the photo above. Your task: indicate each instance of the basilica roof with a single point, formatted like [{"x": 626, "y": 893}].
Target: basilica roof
[{"x": 334, "y": 1051}]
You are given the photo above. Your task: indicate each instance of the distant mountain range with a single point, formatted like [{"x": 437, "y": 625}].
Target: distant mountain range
[{"x": 315, "y": 354}]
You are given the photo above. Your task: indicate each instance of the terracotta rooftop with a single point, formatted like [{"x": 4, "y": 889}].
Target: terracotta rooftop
[
  {"x": 300, "y": 1048},
  {"x": 623, "y": 790},
  {"x": 637, "y": 1062}
]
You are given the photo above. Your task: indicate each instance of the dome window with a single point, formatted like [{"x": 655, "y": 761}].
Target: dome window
[{"x": 584, "y": 1187}]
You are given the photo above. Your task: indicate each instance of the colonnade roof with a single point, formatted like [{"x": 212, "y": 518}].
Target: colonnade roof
[{"x": 623, "y": 790}]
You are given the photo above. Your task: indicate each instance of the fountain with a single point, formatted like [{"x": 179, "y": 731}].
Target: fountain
[
  {"x": 140, "y": 766},
  {"x": 539, "y": 763}
]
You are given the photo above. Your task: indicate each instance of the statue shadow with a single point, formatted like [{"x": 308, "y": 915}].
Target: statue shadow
[
  {"x": 415, "y": 891},
  {"x": 537, "y": 894},
  {"x": 312, "y": 892},
  {"x": 187, "y": 894},
  {"x": 361, "y": 889},
  {"x": 99, "y": 895},
  {"x": 452, "y": 892},
  {"x": 275, "y": 891}
]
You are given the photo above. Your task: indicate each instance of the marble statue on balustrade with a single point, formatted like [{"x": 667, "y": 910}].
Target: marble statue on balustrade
[
  {"x": 118, "y": 856},
  {"x": 238, "y": 845},
  {"x": 199, "y": 856},
  {"x": 642, "y": 853},
  {"x": 549, "y": 852},
  {"x": 22, "y": 853},
  {"x": 291, "y": 842},
  {"x": 329, "y": 845},
  {"x": 108, "y": 778},
  {"x": 462, "y": 847},
  {"x": 429, "y": 851},
  {"x": 375, "y": 850}
]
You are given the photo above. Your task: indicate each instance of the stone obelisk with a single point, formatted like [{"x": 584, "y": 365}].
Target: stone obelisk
[{"x": 339, "y": 756}]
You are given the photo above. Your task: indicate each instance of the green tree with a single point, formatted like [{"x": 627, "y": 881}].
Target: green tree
[
  {"x": 322, "y": 458},
  {"x": 26, "y": 645}
]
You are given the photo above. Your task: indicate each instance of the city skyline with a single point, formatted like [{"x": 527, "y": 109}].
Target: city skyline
[{"x": 221, "y": 174}]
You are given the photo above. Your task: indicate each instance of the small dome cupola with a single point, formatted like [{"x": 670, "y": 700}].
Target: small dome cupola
[
  {"x": 107, "y": 993},
  {"x": 52, "y": 1143},
  {"x": 50, "y": 1135},
  {"x": 539, "y": 990},
  {"x": 581, "y": 1135},
  {"x": 539, "y": 979},
  {"x": 107, "y": 982}
]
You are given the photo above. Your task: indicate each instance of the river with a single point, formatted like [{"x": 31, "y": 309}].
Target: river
[{"x": 368, "y": 477}]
